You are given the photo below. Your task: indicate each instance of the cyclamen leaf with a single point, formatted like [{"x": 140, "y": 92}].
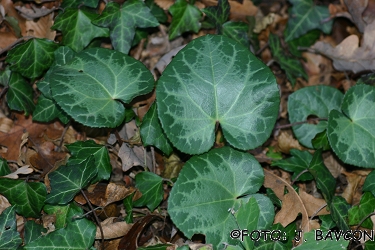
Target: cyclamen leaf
[
  {"x": 215, "y": 80},
  {"x": 152, "y": 133},
  {"x": 68, "y": 180},
  {"x": 151, "y": 187},
  {"x": 82, "y": 150},
  {"x": 27, "y": 197},
  {"x": 77, "y": 29},
  {"x": 314, "y": 100},
  {"x": 32, "y": 58},
  {"x": 9, "y": 237},
  {"x": 123, "y": 20},
  {"x": 305, "y": 16},
  {"x": 185, "y": 18},
  {"x": 93, "y": 86},
  {"x": 292, "y": 67},
  {"x": 47, "y": 110},
  {"x": 208, "y": 186},
  {"x": 20, "y": 94},
  {"x": 350, "y": 131}
]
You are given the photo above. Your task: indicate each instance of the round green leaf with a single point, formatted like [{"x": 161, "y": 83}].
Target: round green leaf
[
  {"x": 93, "y": 86},
  {"x": 315, "y": 100},
  {"x": 214, "y": 80},
  {"x": 351, "y": 132},
  {"x": 207, "y": 187}
]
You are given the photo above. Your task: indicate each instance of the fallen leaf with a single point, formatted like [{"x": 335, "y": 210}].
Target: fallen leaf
[
  {"x": 355, "y": 180},
  {"x": 112, "y": 229},
  {"x": 348, "y": 56},
  {"x": 356, "y": 8},
  {"x": 334, "y": 166},
  {"x": 313, "y": 204},
  {"x": 292, "y": 203},
  {"x": 41, "y": 27},
  {"x": 286, "y": 142},
  {"x": 22, "y": 170}
]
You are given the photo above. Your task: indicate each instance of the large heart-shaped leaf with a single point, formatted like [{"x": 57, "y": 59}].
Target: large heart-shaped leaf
[
  {"x": 351, "y": 132},
  {"x": 93, "y": 86},
  {"x": 215, "y": 80},
  {"x": 207, "y": 187},
  {"x": 314, "y": 100}
]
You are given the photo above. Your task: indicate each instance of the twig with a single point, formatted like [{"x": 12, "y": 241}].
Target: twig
[
  {"x": 153, "y": 159},
  {"x": 62, "y": 136},
  {"x": 299, "y": 175},
  {"x": 298, "y": 123},
  {"x": 261, "y": 49},
  {"x": 96, "y": 218},
  {"x": 118, "y": 137},
  {"x": 15, "y": 42},
  {"x": 367, "y": 216},
  {"x": 317, "y": 211},
  {"x": 3, "y": 91}
]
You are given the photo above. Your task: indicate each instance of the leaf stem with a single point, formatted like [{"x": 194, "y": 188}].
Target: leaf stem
[
  {"x": 96, "y": 218},
  {"x": 62, "y": 136},
  {"x": 299, "y": 175},
  {"x": 298, "y": 123}
]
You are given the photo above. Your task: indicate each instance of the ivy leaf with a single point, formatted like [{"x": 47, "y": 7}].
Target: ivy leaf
[
  {"x": 33, "y": 231},
  {"x": 185, "y": 18},
  {"x": 9, "y": 237},
  {"x": 305, "y": 16},
  {"x": 321, "y": 141},
  {"x": 215, "y": 80},
  {"x": 47, "y": 110},
  {"x": 357, "y": 213},
  {"x": 123, "y": 20},
  {"x": 152, "y": 133},
  {"x": 299, "y": 162},
  {"x": 5, "y": 76},
  {"x": 32, "y": 58},
  {"x": 27, "y": 197},
  {"x": 292, "y": 67},
  {"x": 207, "y": 187},
  {"x": 78, "y": 234},
  {"x": 350, "y": 131},
  {"x": 156, "y": 11},
  {"x": 325, "y": 182},
  {"x": 4, "y": 167},
  {"x": 20, "y": 94},
  {"x": 82, "y": 150},
  {"x": 68, "y": 180},
  {"x": 306, "y": 40},
  {"x": 151, "y": 187},
  {"x": 369, "y": 185},
  {"x": 237, "y": 31},
  {"x": 339, "y": 211},
  {"x": 128, "y": 205},
  {"x": 76, "y": 3},
  {"x": 64, "y": 214},
  {"x": 314, "y": 100},
  {"x": 119, "y": 78},
  {"x": 77, "y": 29},
  {"x": 218, "y": 15}
]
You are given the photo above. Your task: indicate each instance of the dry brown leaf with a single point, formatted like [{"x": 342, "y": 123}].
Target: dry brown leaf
[
  {"x": 355, "y": 179},
  {"x": 313, "y": 204},
  {"x": 333, "y": 165},
  {"x": 172, "y": 166},
  {"x": 286, "y": 142},
  {"x": 292, "y": 203},
  {"x": 238, "y": 9},
  {"x": 356, "y": 8},
  {"x": 6, "y": 124},
  {"x": 104, "y": 194},
  {"x": 4, "y": 203},
  {"x": 318, "y": 68},
  {"x": 112, "y": 229},
  {"x": 41, "y": 27},
  {"x": 348, "y": 56},
  {"x": 261, "y": 22},
  {"x": 22, "y": 170}
]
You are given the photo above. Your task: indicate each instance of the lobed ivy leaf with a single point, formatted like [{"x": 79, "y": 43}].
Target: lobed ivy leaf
[
  {"x": 20, "y": 94},
  {"x": 156, "y": 11},
  {"x": 27, "y": 197},
  {"x": 185, "y": 17},
  {"x": 218, "y": 15},
  {"x": 216, "y": 81},
  {"x": 123, "y": 20},
  {"x": 152, "y": 133},
  {"x": 33, "y": 231},
  {"x": 93, "y": 86},
  {"x": 47, "y": 110},
  {"x": 151, "y": 187},
  {"x": 369, "y": 185},
  {"x": 350, "y": 131},
  {"x": 321, "y": 141},
  {"x": 325, "y": 182},
  {"x": 314, "y": 100},
  {"x": 9, "y": 237},
  {"x": 305, "y": 16},
  {"x": 64, "y": 214},
  {"x": 4, "y": 167},
  {"x": 237, "y": 31},
  {"x": 339, "y": 212},
  {"x": 32, "y": 58},
  {"x": 82, "y": 150},
  {"x": 305, "y": 40},
  {"x": 300, "y": 161},
  {"x": 208, "y": 187},
  {"x": 327, "y": 222},
  {"x": 5, "y": 76},
  {"x": 292, "y": 67},
  {"x": 78, "y": 234},
  {"x": 365, "y": 207},
  {"x": 77, "y": 3},
  {"x": 77, "y": 29},
  {"x": 68, "y": 180},
  {"x": 128, "y": 206}
]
